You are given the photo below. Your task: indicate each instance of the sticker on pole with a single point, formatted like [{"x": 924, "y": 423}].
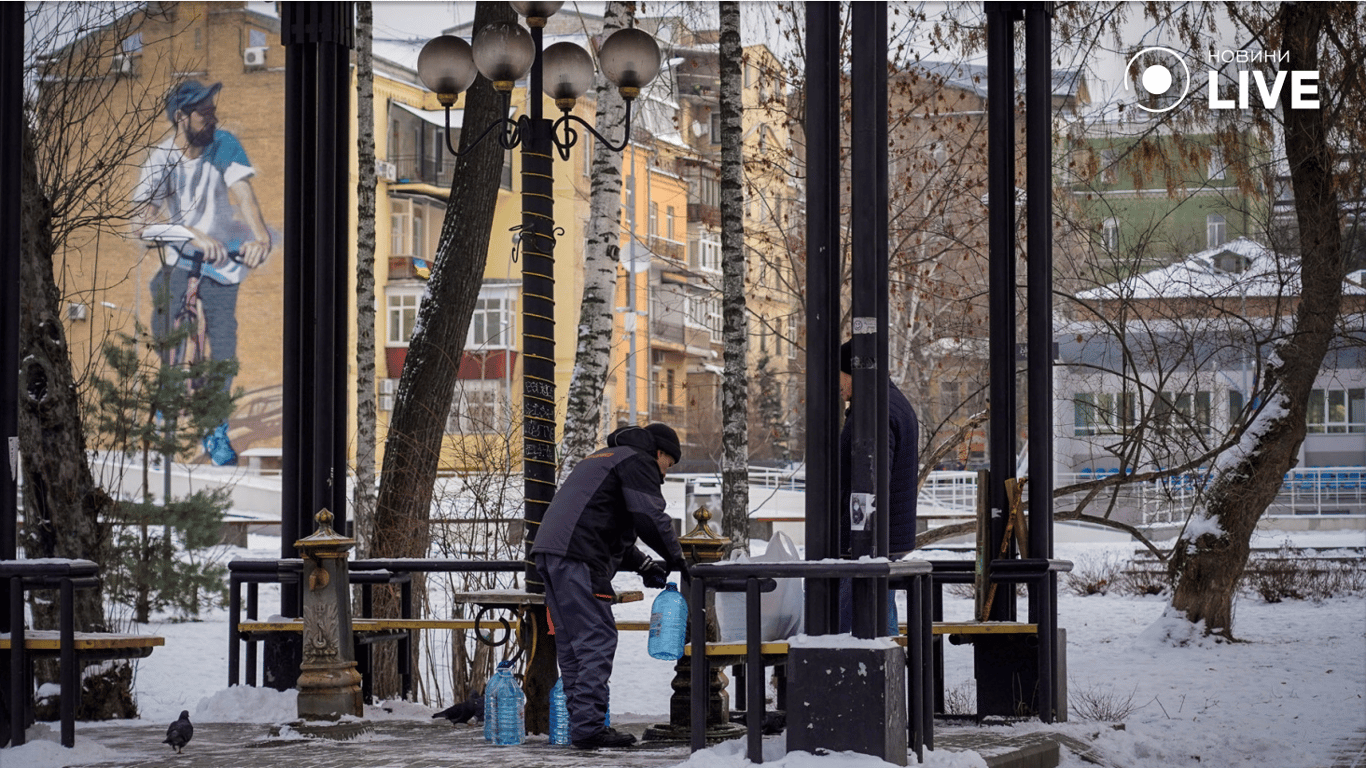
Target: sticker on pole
[{"x": 861, "y": 510}]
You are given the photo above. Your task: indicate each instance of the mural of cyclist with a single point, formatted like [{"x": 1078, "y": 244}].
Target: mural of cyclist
[{"x": 199, "y": 181}]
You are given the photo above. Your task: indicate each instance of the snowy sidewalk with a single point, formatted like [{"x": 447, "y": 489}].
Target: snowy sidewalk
[{"x": 386, "y": 744}]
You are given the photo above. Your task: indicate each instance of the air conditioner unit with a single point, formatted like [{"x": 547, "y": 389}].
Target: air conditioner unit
[
  {"x": 77, "y": 312},
  {"x": 386, "y": 402},
  {"x": 387, "y": 386},
  {"x": 255, "y": 56},
  {"x": 122, "y": 64},
  {"x": 386, "y": 170}
]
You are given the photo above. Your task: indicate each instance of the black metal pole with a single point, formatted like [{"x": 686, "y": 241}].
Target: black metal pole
[
  {"x": 1001, "y": 233},
  {"x": 538, "y": 316},
  {"x": 1039, "y": 194},
  {"x": 340, "y": 61},
  {"x": 868, "y": 199},
  {"x": 1039, "y": 329},
  {"x": 822, "y": 306},
  {"x": 11, "y": 145},
  {"x": 317, "y": 37}
]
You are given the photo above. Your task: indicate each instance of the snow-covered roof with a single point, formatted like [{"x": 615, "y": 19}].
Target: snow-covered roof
[{"x": 1239, "y": 268}]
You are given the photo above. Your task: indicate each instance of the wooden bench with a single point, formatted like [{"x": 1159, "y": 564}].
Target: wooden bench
[
  {"x": 92, "y": 645},
  {"x": 23, "y": 646}
]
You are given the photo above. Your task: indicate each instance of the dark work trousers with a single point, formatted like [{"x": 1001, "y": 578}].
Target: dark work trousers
[
  {"x": 220, "y": 311},
  {"x": 585, "y": 640}
]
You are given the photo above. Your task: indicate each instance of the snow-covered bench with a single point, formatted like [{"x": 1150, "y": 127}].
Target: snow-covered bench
[{"x": 22, "y": 646}]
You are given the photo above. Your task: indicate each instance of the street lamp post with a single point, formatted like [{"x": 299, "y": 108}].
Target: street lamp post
[{"x": 504, "y": 53}]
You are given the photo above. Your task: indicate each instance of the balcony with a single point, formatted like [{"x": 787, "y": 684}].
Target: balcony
[
  {"x": 709, "y": 215},
  {"x": 670, "y": 249}
]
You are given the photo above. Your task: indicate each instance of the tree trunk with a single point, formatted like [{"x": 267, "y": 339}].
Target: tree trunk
[
  {"x": 601, "y": 254},
  {"x": 62, "y": 504},
  {"x": 1211, "y": 554},
  {"x": 735, "y": 321},
  {"x": 418, "y": 424},
  {"x": 363, "y": 512}
]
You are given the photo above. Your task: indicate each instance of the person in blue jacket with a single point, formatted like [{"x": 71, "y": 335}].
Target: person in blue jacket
[
  {"x": 903, "y": 436},
  {"x": 587, "y": 535}
]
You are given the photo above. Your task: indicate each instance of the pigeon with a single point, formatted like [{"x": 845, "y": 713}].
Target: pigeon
[
  {"x": 179, "y": 733},
  {"x": 473, "y": 707}
]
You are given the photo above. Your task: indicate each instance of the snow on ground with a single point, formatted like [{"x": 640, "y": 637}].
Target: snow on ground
[{"x": 1284, "y": 696}]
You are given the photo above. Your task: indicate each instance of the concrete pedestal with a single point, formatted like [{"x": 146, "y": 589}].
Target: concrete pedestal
[{"x": 842, "y": 698}]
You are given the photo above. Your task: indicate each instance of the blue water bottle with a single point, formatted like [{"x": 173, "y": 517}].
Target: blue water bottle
[
  {"x": 491, "y": 699},
  {"x": 559, "y": 714},
  {"x": 668, "y": 622},
  {"x": 510, "y": 729}
]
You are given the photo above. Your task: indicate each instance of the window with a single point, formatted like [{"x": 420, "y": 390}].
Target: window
[
  {"x": 1216, "y": 164},
  {"x": 1337, "y": 411},
  {"x": 950, "y": 397},
  {"x": 669, "y": 222},
  {"x": 401, "y": 228},
  {"x": 478, "y": 406},
  {"x": 669, "y": 386},
  {"x": 654, "y": 219},
  {"x": 402, "y": 317},
  {"x": 1110, "y": 235},
  {"x": 792, "y": 336},
  {"x": 707, "y": 253},
  {"x": 132, "y": 44},
  {"x": 716, "y": 126},
  {"x": 1109, "y": 158},
  {"x": 1102, "y": 413},
  {"x": 494, "y": 323},
  {"x": 256, "y": 38},
  {"x": 1216, "y": 230},
  {"x": 1236, "y": 402},
  {"x": 1183, "y": 411},
  {"x": 419, "y": 239}
]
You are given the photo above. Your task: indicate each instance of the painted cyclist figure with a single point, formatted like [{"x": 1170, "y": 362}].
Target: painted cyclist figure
[{"x": 199, "y": 180}]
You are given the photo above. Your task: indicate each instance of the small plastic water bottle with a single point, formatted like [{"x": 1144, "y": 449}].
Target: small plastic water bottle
[
  {"x": 668, "y": 622},
  {"x": 491, "y": 700},
  {"x": 510, "y": 728},
  {"x": 559, "y": 714}
]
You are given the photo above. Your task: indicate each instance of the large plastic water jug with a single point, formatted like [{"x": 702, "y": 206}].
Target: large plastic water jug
[
  {"x": 668, "y": 624},
  {"x": 509, "y": 728},
  {"x": 559, "y": 714},
  {"x": 491, "y": 698}
]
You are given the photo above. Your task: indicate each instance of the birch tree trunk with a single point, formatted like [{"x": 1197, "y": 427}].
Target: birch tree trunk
[
  {"x": 602, "y": 254},
  {"x": 363, "y": 503},
  {"x": 735, "y": 321},
  {"x": 1211, "y": 554}
]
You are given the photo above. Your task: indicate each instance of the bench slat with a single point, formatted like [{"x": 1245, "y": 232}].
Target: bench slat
[
  {"x": 50, "y": 640},
  {"x": 376, "y": 625},
  {"x": 984, "y": 628}
]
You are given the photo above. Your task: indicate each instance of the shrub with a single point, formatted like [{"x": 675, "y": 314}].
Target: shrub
[
  {"x": 1094, "y": 575},
  {"x": 1101, "y": 703}
]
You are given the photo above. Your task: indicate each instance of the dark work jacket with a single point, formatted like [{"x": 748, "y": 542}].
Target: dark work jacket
[
  {"x": 612, "y": 496},
  {"x": 903, "y": 436}
]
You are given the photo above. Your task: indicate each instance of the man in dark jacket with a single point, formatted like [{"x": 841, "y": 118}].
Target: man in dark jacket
[
  {"x": 903, "y": 436},
  {"x": 588, "y": 535}
]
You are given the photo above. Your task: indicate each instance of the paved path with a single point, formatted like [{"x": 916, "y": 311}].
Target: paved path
[
  {"x": 1352, "y": 751},
  {"x": 386, "y": 744}
]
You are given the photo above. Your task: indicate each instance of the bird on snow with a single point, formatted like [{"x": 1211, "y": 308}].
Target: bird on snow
[
  {"x": 179, "y": 733},
  {"x": 473, "y": 707}
]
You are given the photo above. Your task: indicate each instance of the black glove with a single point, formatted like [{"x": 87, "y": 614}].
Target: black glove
[{"x": 653, "y": 574}]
